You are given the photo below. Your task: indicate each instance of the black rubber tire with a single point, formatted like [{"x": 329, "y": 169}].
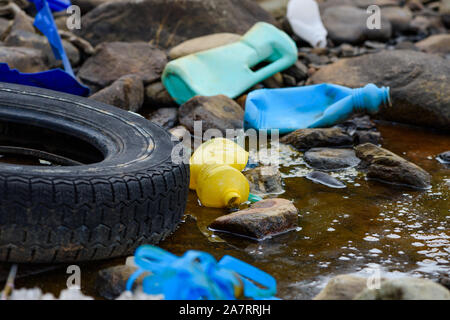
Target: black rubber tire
[{"x": 134, "y": 195}]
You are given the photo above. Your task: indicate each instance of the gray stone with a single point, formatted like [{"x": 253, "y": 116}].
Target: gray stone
[
  {"x": 406, "y": 289},
  {"x": 111, "y": 282},
  {"x": 263, "y": 219},
  {"x": 342, "y": 287},
  {"x": 419, "y": 83},
  {"x": 331, "y": 158},
  {"x": 400, "y": 18},
  {"x": 444, "y": 10},
  {"x": 23, "y": 59},
  {"x": 264, "y": 180},
  {"x": 165, "y": 117},
  {"x": 325, "y": 179},
  {"x": 166, "y": 23},
  {"x": 113, "y": 60},
  {"x": 439, "y": 44},
  {"x": 216, "y": 112},
  {"x": 203, "y": 43},
  {"x": 157, "y": 96},
  {"x": 347, "y": 24},
  {"x": 313, "y": 138},
  {"x": 444, "y": 157},
  {"x": 386, "y": 166},
  {"x": 364, "y": 136},
  {"x": 126, "y": 93}
]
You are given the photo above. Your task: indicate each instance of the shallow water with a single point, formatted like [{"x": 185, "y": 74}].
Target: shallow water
[{"x": 365, "y": 227}]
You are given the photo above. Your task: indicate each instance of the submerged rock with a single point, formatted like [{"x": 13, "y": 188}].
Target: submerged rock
[
  {"x": 444, "y": 157},
  {"x": 263, "y": 219},
  {"x": 325, "y": 179},
  {"x": 406, "y": 289},
  {"x": 113, "y": 60},
  {"x": 331, "y": 158},
  {"x": 111, "y": 282},
  {"x": 203, "y": 43},
  {"x": 166, "y": 23},
  {"x": 342, "y": 287},
  {"x": 419, "y": 83},
  {"x": 216, "y": 112},
  {"x": 126, "y": 93},
  {"x": 347, "y": 24},
  {"x": 386, "y": 166},
  {"x": 312, "y": 138},
  {"x": 264, "y": 180}
]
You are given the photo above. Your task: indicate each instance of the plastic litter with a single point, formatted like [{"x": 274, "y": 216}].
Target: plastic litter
[
  {"x": 304, "y": 17},
  {"x": 216, "y": 173},
  {"x": 315, "y": 106},
  {"x": 230, "y": 69},
  {"x": 198, "y": 276},
  {"x": 56, "y": 79}
]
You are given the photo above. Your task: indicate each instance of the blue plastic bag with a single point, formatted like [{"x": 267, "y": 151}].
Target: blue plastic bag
[{"x": 197, "y": 276}]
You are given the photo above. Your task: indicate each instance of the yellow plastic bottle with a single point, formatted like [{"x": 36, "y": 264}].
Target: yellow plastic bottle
[
  {"x": 217, "y": 151},
  {"x": 220, "y": 186}
]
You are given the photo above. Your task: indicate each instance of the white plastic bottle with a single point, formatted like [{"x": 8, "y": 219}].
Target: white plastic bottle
[{"x": 304, "y": 17}]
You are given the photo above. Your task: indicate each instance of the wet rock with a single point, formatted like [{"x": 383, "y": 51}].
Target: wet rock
[
  {"x": 342, "y": 287},
  {"x": 364, "y": 136},
  {"x": 289, "y": 81},
  {"x": 419, "y": 83},
  {"x": 157, "y": 96},
  {"x": 126, "y": 93},
  {"x": 331, "y": 158},
  {"x": 444, "y": 157},
  {"x": 264, "y": 180},
  {"x": 203, "y": 43},
  {"x": 111, "y": 282},
  {"x": 165, "y": 117},
  {"x": 274, "y": 82},
  {"x": 167, "y": 23},
  {"x": 299, "y": 71},
  {"x": 439, "y": 44},
  {"x": 28, "y": 39},
  {"x": 115, "y": 59},
  {"x": 23, "y": 59},
  {"x": 445, "y": 281},
  {"x": 216, "y": 112},
  {"x": 263, "y": 219},
  {"x": 313, "y": 138},
  {"x": 357, "y": 123},
  {"x": 381, "y": 164},
  {"x": 325, "y": 179},
  {"x": 337, "y": 21},
  {"x": 406, "y": 289},
  {"x": 400, "y": 18}
]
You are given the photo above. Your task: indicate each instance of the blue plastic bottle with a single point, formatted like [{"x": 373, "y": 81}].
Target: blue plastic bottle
[
  {"x": 228, "y": 69},
  {"x": 316, "y": 106}
]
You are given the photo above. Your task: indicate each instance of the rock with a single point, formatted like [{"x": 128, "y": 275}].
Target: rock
[
  {"x": 386, "y": 166},
  {"x": 23, "y": 59},
  {"x": 165, "y": 117},
  {"x": 28, "y": 39},
  {"x": 216, "y": 112},
  {"x": 336, "y": 21},
  {"x": 419, "y": 83},
  {"x": 325, "y": 179},
  {"x": 363, "y": 136},
  {"x": 439, "y": 44},
  {"x": 167, "y": 23},
  {"x": 289, "y": 81},
  {"x": 274, "y": 82},
  {"x": 203, "y": 43},
  {"x": 357, "y": 123},
  {"x": 115, "y": 59},
  {"x": 21, "y": 20},
  {"x": 444, "y": 157},
  {"x": 81, "y": 44},
  {"x": 264, "y": 180},
  {"x": 342, "y": 287},
  {"x": 4, "y": 26},
  {"x": 312, "y": 138},
  {"x": 399, "y": 18},
  {"x": 444, "y": 10},
  {"x": 331, "y": 159},
  {"x": 111, "y": 282},
  {"x": 406, "y": 289},
  {"x": 157, "y": 96},
  {"x": 445, "y": 281},
  {"x": 277, "y": 8},
  {"x": 263, "y": 219},
  {"x": 126, "y": 93},
  {"x": 88, "y": 5}
]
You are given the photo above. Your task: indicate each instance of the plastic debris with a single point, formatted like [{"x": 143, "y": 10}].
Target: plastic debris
[
  {"x": 231, "y": 69},
  {"x": 56, "y": 79},
  {"x": 198, "y": 276},
  {"x": 304, "y": 17},
  {"x": 315, "y": 106}
]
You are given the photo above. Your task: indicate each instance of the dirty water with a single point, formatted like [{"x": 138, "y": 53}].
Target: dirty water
[{"x": 366, "y": 228}]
